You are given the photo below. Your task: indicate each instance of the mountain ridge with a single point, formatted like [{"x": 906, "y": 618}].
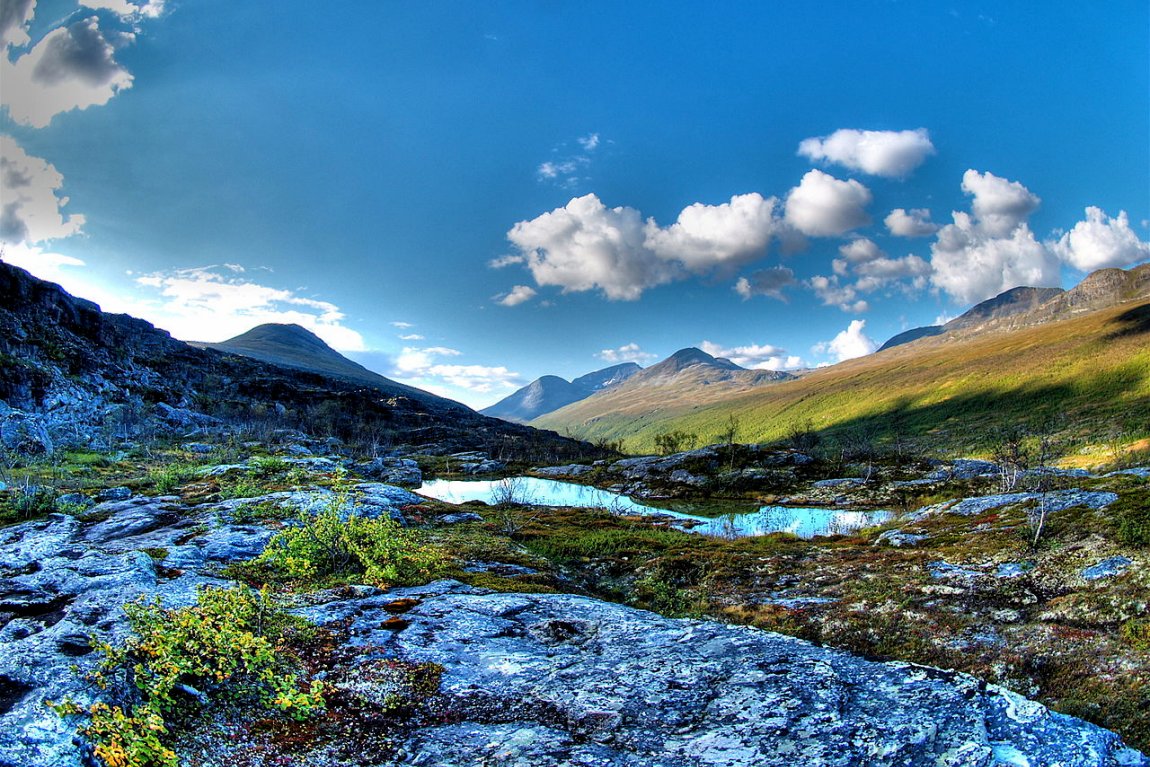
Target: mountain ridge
[
  {"x": 549, "y": 393},
  {"x": 293, "y": 346},
  {"x": 1023, "y": 306}
]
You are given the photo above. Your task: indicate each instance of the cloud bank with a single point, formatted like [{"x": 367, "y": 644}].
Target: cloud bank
[
  {"x": 32, "y": 210},
  {"x": 587, "y": 246},
  {"x": 991, "y": 249}
]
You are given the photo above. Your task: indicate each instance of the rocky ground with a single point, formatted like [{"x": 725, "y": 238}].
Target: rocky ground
[{"x": 509, "y": 657}]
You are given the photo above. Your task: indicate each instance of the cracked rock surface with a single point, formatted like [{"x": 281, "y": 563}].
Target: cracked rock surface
[{"x": 556, "y": 679}]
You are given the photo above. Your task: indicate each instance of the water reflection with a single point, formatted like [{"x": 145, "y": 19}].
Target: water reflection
[{"x": 802, "y": 522}]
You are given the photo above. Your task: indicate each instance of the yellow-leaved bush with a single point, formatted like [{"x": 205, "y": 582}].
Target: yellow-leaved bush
[{"x": 229, "y": 645}]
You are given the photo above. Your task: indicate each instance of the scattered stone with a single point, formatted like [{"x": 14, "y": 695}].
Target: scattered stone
[
  {"x": 965, "y": 468},
  {"x": 1059, "y": 500},
  {"x": 25, "y": 433},
  {"x": 73, "y": 501},
  {"x": 941, "y": 570},
  {"x": 181, "y": 418},
  {"x": 393, "y": 471},
  {"x": 570, "y": 470},
  {"x": 458, "y": 518},
  {"x": 114, "y": 494},
  {"x": 840, "y": 482},
  {"x": 502, "y": 569},
  {"x": 198, "y": 447},
  {"x": 899, "y": 539},
  {"x": 1107, "y": 568}
]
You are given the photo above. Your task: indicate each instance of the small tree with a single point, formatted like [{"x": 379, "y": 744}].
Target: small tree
[
  {"x": 671, "y": 442},
  {"x": 728, "y": 436},
  {"x": 1010, "y": 453}
]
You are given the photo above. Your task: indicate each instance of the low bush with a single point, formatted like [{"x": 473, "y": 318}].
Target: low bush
[
  {"x": 230, "y": 646},
  {"x": 1131, "y": 515},
  {"x": 329, "y": 546}
]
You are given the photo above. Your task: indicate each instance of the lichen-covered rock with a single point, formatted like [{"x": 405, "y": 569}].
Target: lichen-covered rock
[
  {"x": 404, "y": 472},
  {"x": 1059, "y": 500},
  {"x": 551, "y": 680}
]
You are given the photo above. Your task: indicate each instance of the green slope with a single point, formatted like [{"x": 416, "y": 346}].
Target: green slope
[{"x": 1092, "y": 372}]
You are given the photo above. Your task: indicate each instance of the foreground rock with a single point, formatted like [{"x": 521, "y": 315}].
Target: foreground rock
[{"x": 541, "y": 680}]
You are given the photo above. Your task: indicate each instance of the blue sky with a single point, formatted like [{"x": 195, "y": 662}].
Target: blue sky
[{"x": 466, "y": 196}]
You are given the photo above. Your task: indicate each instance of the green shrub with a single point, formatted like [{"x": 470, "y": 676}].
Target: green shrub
[
  {"x": 1131, "y": 515},
  {"x": 28, "y": 502},
  {"x": 265, "y": 466},
  {"x": 326, "y": 545},
  {"x": 166, "y": 479},
  {"x": 228, "y": 645}
]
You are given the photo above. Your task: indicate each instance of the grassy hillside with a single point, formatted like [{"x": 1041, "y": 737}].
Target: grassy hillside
[{"x": 1092, "y": 373}]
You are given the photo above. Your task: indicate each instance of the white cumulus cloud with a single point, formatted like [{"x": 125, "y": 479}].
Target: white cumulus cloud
[
  {"x": 517, "y": 295},
  {"x": 913, "y": 223},
  {"x": 587, "y": 246},
  {"x": 30, "y": 210},
  {"x": 824, "y": 206},
  {"x": 832, "y": 293},
  {"x": 991, "y": 249},
  {"x": 72, "y": 67},
  {"x": 999, "y": 205},
  {"x": 1099, "y": 241},
  {"x": 893, "y": 154},
  {"x": 627, "y": 353},
  {"x": 848, "y": 344},
  {"x": 706, "y": 237}
]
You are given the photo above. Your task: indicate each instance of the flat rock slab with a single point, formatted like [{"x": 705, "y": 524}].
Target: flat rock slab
[{"x": 550, "y": 680}]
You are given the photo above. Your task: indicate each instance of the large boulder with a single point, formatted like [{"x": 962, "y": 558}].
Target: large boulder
[{"x": 545, "y": 680}]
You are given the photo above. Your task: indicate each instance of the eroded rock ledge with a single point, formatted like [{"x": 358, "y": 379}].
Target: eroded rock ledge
[{"x": 555, "y": 679}]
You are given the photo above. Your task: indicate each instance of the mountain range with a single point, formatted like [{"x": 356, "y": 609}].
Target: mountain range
[
  {"x": 549, "y": 393},
  {"x": 73, "y": 375},
  {"x": 685, "y": 370},
  {"x": 1023, "y": 306},
  {"x": 1079, "y": 355}
]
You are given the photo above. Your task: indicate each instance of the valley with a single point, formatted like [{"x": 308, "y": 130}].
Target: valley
[{"x": 268, "y": 496}]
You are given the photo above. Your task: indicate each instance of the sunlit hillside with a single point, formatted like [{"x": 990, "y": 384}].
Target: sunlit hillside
[{"x": 1089, "y": 375}]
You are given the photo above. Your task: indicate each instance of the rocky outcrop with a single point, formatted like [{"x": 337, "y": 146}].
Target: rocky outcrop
[
  {"x": 551, "y": 680},
  {"x": 74, "y": 376},
  {"x": 63, "y": 582}
]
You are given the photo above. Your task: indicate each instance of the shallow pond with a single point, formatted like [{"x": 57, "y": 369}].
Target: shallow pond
[{"x": 803, "y": 522}]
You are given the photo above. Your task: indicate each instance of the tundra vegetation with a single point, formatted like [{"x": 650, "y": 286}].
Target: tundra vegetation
[{"x": 1000, "y": 593}]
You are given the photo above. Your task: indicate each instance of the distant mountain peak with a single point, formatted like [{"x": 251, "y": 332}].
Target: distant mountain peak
[
  {"x": 297, "y": 347},
  {"x": 548, "y": 393},
  {"x": 688, "y": 357}
]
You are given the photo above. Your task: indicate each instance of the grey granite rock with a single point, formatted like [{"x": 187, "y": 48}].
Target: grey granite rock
[
  {"x": 1107, "y": 568},
  {"x": 556, "y": 680}
]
